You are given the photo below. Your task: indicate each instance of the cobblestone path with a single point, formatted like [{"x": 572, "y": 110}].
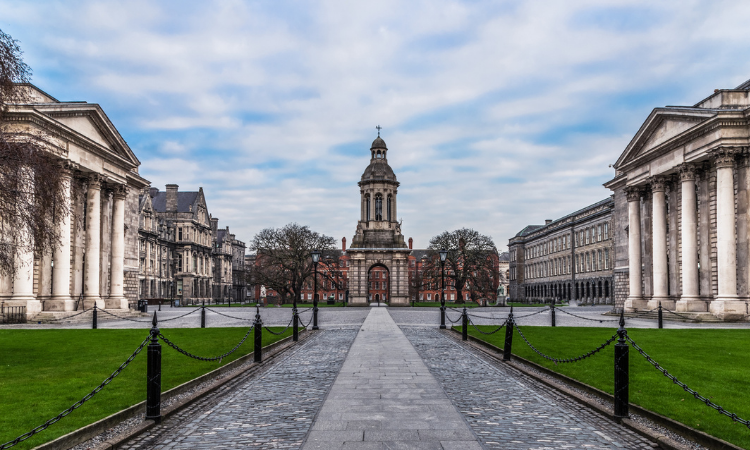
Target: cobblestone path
[
  {"x": 272, "y": 410},
  {"x": 509, "y": 411}
]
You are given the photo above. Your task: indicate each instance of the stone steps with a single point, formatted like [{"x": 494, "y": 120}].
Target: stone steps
[{"x": 688, "y": 317}]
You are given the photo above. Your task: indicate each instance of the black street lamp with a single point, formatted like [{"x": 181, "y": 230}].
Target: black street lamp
[
  {"x": 443, "y": 254},
  {"x": 315, "y": 259}
]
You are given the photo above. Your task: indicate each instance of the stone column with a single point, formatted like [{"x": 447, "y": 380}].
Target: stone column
[
  {"x": 44, "y": 289},
  {"x": 116, "y": 298},
  {"x": 61, "y": 299},
  {"x": 635, "y": 297},
  {"x": 659, "y": 224},
  {"x": 726, "y": 306},
  {"x": 92, "y": 254},
  {"x": 690, "y": 300},
  {"x": 23, "y": 275}
]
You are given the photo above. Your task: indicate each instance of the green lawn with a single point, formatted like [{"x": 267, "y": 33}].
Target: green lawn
[
  {"x": 715, "y": 363},
  {"x": 43, "y": 372}
]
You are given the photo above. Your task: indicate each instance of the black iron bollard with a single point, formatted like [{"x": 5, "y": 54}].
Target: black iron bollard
[
  {"x": 622, "y": 371},
  {"x": 203, "y": 315},
  {"x": 508, "y": 336},
  {"x": 464, "y": 326},
  {"x": 442, "y": 317},
  {"x": 93, "y": 320},
  {"x": 153, "y": 376},
  {"x": 552, "y": 310},
  {"x": 295, "y": 324},
  {"x": 315, "y": 315},
  {"x": 258, "y": 324},
  {"x": 661, "y": 322},
  {"x": 159, "y": 304}
]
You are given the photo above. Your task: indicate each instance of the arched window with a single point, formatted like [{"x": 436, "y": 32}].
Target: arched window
[
  {"x": 367, "y": 206},
  {"x": 378, "y": 207},
  {"x": 389, "y": 208}
]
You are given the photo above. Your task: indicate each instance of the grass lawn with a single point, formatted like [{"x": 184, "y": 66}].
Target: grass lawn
[
  {"x": 43, "y": 372},
  {"x": 715, "y": 363}
]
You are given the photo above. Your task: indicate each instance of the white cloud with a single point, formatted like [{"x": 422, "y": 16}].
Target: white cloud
[{"x": 497, "y": 114}]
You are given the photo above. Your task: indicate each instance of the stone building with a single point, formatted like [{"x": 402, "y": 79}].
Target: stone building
[
  {"x": 156, "y": 251},
  {"x": 98, "y": 262},
  {"x": 189, "y": 245},
  {"x": 229, "y": 266},
  {"x": 569, "y": 258},
  {"x": 378, "y": 242},
  {"x": 681, "y": 191}
]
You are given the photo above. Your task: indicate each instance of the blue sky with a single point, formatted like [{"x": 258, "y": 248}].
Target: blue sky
[{"x": 496, "y": 114}]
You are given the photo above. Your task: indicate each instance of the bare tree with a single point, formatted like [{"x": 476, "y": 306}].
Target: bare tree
[
  {"x": 283, "y": 261},
  {"x": 32, "y": 200},
  {"x": 470, "y": 265}
]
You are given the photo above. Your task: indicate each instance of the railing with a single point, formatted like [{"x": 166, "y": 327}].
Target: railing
[{"x": 12, "y": 314}]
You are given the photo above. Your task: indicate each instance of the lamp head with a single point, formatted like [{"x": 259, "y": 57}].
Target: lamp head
[
  {"x": 315, "y": 256},
  {"x": 443, "y": 255}
]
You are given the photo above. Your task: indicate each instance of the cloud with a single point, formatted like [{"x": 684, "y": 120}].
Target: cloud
[{"x": 497, "y": 114}]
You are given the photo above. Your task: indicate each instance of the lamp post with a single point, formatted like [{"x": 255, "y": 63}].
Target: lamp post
[
  {"x": 315, "y": 259},
  {"x": 443, "y": 254}
]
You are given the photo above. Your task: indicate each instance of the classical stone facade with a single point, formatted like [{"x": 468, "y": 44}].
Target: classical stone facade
[
  {"x": 569, "y": 258},
  {"x": 378, "y": 242},
  {"x": 98, "y": 255},
  {"x": 681, "y": 191}
]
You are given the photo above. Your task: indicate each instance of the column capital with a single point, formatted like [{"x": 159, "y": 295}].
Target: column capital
[
  {"x": 687, "y": 172},
  {"x": 658, "y": 183},
  {"x": 633, "y": 193},
  {"x": 67, "y": 167},
  {"x": 120, "y": 191},
  {"x": 724, "y": 156},
  {"x": 94, "y": 180}
]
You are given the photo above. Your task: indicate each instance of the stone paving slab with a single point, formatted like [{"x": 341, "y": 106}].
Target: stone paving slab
[
  {"x": 507, "y": 410},
  {"x": 386, "y": 398},
  {"x": 272, "y": 410}
]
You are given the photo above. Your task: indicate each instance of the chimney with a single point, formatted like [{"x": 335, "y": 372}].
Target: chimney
[
  {"x": 343, "y": 244},
  {"x": 172, "y": 198},
  {"x": 153, "y": 191},
  {"x": 214, "y": 224},
  {"x": 411, "y": 243},
  {"x": 547, "y": 222}
]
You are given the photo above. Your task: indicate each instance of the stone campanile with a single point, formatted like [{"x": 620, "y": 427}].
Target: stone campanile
[{"x": 378, "y": 241}]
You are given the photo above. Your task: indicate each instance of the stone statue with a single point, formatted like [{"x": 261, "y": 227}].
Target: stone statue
[{"x": 262, "y": 291}]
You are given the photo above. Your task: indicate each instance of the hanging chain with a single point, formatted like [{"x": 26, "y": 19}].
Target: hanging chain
[
  {"x": 586, "y": 318},
  {"x": 227, "y": 315},
  {"x": 566, "y": 360},
  {"x": 491, "y": 332},
  {"x": 684, "y": 387},
  {"x": 202, "y": 358},
  {"x": 282, "y": 331},
  {"x": 77, "y": 404}
]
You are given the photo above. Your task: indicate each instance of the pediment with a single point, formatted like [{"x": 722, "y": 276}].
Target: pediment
[
  {"x": 662, "y": 126},
  {"x": 88, "y": 121}
]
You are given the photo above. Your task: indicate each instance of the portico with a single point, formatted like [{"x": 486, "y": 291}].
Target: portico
[
  {"x": 96, "y": 253},
  {"x": 685, "y": 241}
]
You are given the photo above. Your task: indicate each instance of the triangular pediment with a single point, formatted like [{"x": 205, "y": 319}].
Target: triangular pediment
[
  {"x": 85, "y": 126},
  {"x": 662, "y": 126}
]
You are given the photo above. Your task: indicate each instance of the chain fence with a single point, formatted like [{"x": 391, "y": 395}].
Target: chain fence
[
  {"x": 203, "y": 358},
  {"x": 491, "y": 332},
  {"x": 586, "y": 318},
  {"x": 282, "y": 331},
  {"x": 685, "y": 387},
  {"x": 227, "y": 315},
  {"x": 77, "y": 404},
  {"x": 308, "y": 322},
  {"x": 60, "y": 320},
  {"x": 566, "y": 360}
]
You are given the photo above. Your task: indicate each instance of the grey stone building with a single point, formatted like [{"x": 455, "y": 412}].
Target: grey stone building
[
  {"x": 378, "y": 242},
  {"x": 98, "y": 262},
  {"x": 229, "y": 266},
  {"x": 569, "y": 258},
  {"x": 681, "y": 190}
]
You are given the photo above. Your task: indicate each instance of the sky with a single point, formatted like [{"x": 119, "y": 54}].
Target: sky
[{"x": 497, "y": 114}]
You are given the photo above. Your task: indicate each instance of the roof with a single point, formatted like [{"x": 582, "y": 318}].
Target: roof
[
  {"x": 504, "y": 257},
  {"x": 184, "y": 201},
  {"x": 744, "y": 86},
  {"x": 532, "y": 228},
  {"x": 378, "y": 170},
  {"x": 378, "y": 143},
  {"x": 420, "y": 253}
]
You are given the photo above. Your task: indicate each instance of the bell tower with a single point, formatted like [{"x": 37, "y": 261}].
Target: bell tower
[{"x": 378, "y": 249}]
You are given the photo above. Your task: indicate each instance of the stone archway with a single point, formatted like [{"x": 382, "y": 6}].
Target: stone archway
[{"x": 378, "y": 283}]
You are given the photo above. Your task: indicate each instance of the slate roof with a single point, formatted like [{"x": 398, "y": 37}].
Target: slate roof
[
  {"x": 504, "y": 257},
  {"x": 184, "y": 201},
  {"x": 531, "y": 228},
  {"x": 744, "y": 86}
]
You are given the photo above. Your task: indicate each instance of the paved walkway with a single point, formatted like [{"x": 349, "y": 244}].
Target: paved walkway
[{"x": 385, "y": 398}]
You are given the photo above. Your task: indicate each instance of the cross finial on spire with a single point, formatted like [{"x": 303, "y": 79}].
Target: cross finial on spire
[{"x": 379, "y": 128}]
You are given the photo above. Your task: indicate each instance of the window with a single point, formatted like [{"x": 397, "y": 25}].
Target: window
[
  {"x": 606, "y": 231},
  {"x": 378, "y": 207},
  {"x": 429, "y": 296},
  {"x": 599, "y": 264},
  {"x": 599, "y": 233},
  {"x": 389, "y": 208},
  {"x": 195, "y": 263},
  {"x": 606, "y": 255},
  {"x": 588, "y": 235},
  {"x": 367, "y": 207}
]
